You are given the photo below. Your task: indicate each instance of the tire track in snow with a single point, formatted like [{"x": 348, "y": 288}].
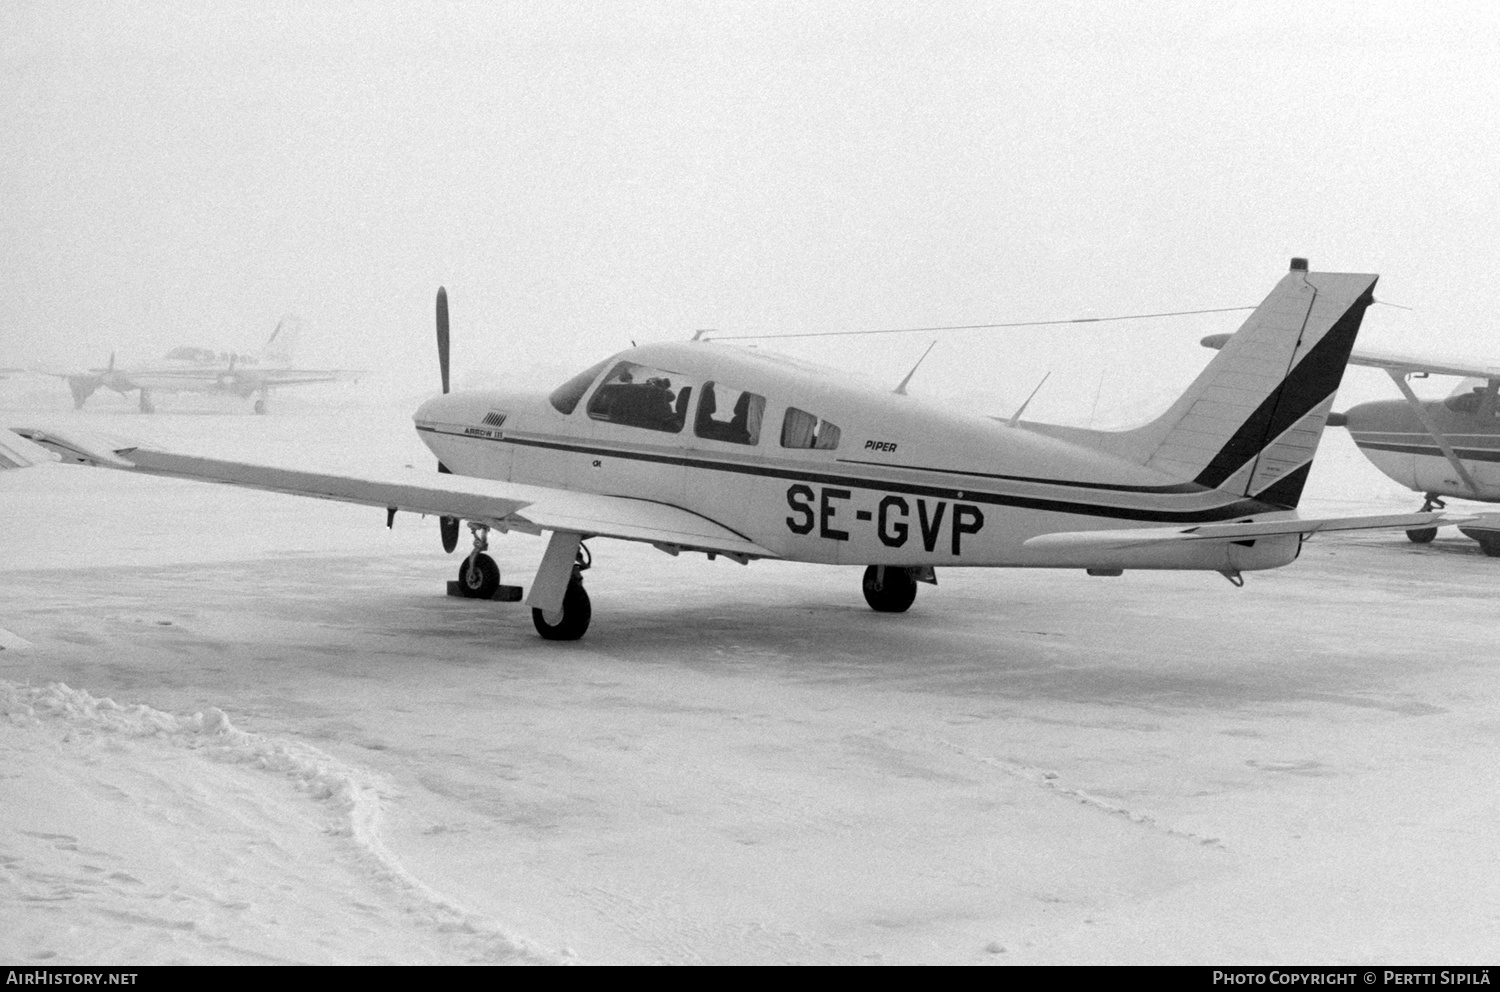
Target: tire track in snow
[
  {"x": 1050, "y": 781},
  {"x": 356, "y": 795}
]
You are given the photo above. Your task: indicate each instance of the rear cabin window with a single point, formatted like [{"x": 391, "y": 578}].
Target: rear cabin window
[
  {"x": 800, "y": 429},
  {"x": 639, "y": 396},
  {"x": 565, "y": 397},
  {"x": 728, "y": 414}
]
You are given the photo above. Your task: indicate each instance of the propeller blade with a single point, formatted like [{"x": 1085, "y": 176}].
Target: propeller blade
[
  {"x": 448, "y": 526},
  {"x": 442, "y": 334}
]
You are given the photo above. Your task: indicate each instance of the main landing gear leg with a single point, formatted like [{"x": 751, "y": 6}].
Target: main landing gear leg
[
  {"x": 560, "y": 608},
  {"x": 478, "y": 575},
  {"x": 1424, "y": 535}
]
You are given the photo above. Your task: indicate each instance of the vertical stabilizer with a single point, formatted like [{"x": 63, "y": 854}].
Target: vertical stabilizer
[
  {"x": 1250, "y": 423},
  {"x": 282, "y": 344}
]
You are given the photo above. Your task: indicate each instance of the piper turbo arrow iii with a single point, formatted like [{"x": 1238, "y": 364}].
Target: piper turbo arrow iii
[{"x": 733, "y": 452}]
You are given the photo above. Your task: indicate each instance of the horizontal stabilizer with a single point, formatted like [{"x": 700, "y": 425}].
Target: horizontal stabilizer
[{"x": 1249, "y": 531}]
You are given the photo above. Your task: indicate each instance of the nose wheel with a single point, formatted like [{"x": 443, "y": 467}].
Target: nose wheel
[
  {"x": 1425, "y": 535},
  {"x": 478, "y": 575}
]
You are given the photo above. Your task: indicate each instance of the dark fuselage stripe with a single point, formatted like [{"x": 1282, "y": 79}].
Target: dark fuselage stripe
[
  {"x": 1228, "y": 511},
  {"x": 1180, "y": 487},
  {"x": 1432, "y": 450}
]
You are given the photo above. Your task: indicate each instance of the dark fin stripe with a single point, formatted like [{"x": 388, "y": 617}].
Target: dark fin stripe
[
  {"x": 1286, "y": 491},
  {"x": 1314, "y": 379}
]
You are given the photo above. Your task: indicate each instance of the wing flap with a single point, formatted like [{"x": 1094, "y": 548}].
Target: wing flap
[{"x": 1111, "y": 539}]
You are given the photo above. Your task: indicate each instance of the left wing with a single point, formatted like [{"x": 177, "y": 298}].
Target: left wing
[
  {"x": 1393, "y": 361},
  {"x": 503, "y": 505},
  {"x": 1111, "y": 539},
  {"x": 17, "y": 452}
]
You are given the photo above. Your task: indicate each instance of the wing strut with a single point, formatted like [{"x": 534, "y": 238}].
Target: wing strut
[{"x": 1399, "y": 378}]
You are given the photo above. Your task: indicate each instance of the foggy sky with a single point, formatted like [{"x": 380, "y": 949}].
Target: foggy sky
[{"x": 581, "y": 175}]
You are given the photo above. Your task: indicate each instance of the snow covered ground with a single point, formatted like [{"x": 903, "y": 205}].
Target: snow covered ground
[{"x": 243, "y": 727}]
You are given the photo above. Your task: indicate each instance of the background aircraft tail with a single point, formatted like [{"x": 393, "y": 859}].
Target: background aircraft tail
[
  {"x": 282, "y": 344},
  {"x": 1251, "y": 421}
]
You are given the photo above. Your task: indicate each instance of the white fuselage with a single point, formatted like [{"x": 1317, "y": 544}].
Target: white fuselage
[{"x": 909, "y": 483}]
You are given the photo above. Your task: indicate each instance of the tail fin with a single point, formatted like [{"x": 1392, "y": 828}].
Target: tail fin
[
  {"x": 282, "y": 343},
  {"x": 1250, "y": 423}
]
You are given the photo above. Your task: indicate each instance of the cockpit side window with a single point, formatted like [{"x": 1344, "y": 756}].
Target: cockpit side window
[
  {"x": 639, "y": 396},
  {"x": 1466, "y": 402},
  {"x": 728, "y": 414},
  {"x": 565, "y": 397},
  {"x": 800, "y": 429}
]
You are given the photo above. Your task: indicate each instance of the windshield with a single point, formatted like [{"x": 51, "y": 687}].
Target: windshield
[{"x": 565, "y": 397}]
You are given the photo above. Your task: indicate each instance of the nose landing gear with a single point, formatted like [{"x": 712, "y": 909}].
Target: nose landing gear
[{"x": 1425, "y": 535}]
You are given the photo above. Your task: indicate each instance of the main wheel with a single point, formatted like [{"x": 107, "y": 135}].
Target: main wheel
[
  {"x": 889, "y": 589},
  {"x": 1422, "y": 535},
  {"x": 260, "y": 407},
  {"x": 478, "y": 577},
  {"x": 568, "y": 623}
]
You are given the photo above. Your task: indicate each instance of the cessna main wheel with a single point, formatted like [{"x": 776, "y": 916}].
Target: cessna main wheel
[
  {"x": 478, "y": 577},
  {"x": 1421, "y": 535},
  {"x": 568, "y": 623},
  {"x": 889, "y": 589}
]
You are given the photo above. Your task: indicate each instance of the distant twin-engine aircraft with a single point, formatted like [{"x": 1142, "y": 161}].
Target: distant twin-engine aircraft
[
  {"x": 187, "y": 369},
  {"x": 732, "y": 452},
  {"x": 1447, "y": 447}
]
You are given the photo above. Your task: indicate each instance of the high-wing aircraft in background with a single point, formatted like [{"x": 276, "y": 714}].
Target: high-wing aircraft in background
[
  {"x": 1448, "y": 447},
  {"x": 187, "y": 369},
  {"x": 736, "y": 453}
]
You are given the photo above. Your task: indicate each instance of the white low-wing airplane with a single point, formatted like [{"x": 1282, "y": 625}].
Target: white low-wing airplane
[
  {"x": 1447, "y": 447},
  {"x": 734, "y": 452},
  {"x": 189, "y": 369}
]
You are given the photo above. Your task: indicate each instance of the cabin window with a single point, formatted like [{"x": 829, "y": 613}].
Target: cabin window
[
  {"x": 800, "y": 429},
  {"x": 565, "y": 397},
  {"x": 727, "y": 414},
  {"x": 1466, "y": 402},
  {"x": 639, "y": 396}
]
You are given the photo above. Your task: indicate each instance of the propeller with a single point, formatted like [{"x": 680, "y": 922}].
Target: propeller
[
  {"x": 442, "y": 335},
  {"x": 447, "y": 525}
]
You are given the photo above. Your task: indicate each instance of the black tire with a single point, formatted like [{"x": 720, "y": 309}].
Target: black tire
[
  {"x": 260, "y": 407},
  {"x": 893, "y": 592},
  {"x": 576, "y": 613},
  {"x": 1422, "y": 535},
  {"x": 481, "y": 580}
]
